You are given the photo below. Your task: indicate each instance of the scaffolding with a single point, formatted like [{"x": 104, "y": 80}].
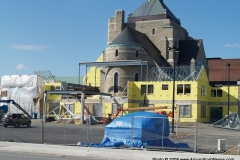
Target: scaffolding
[
  {"x": 231, "y": 121},
  {"x": 182, "y": 73},
  {"x": 47, "y": 76}
]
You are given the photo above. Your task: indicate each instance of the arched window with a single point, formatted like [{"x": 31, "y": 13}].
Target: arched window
[
  {"x": 136, "y": 77},
  {"x": 136, "y": 53},
  {"x": 116, "y": 53},
  {"x": 115, "y": 82},
  {"x": 153, "y": 31}
]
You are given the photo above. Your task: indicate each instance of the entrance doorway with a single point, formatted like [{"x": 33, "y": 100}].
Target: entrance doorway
[{"x": 215, "y": 114}]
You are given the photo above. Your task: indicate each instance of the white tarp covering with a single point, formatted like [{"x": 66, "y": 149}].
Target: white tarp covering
[{"x": 22, "y": 89}]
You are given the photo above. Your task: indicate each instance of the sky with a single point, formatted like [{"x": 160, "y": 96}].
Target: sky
[{"x": 56, "y": 35}]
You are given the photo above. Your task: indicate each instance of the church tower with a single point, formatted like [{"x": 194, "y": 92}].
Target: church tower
[{"x": 147, "y": 35}]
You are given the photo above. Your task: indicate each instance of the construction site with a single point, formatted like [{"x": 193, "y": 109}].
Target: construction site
[{"x": 151, "y": 68}]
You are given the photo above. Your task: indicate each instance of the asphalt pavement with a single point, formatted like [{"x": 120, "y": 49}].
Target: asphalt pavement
[
  {"x": 206, "y": 138},
  {"x": 29, "y": 156}
]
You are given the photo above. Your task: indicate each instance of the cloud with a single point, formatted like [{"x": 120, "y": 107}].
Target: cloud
[
  {"x": 29, "y": 47},
  {"x": 236, "y": 45},
  {"x": 21, "y": 66}
]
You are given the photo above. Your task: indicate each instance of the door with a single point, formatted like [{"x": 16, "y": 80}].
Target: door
[{"x": 215, "y": 114}]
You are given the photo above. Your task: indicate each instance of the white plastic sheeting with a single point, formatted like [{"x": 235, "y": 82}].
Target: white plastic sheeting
[{"x": 23, "y": 89}]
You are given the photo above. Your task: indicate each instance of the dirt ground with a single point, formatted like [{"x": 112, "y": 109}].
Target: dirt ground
[{"x": 233, "y": 151}]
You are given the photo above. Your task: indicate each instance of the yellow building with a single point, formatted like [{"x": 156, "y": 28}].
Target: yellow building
[{"x": 194, "y": 99}]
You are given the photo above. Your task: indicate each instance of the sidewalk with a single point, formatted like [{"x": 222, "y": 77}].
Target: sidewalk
[{"x": 103, "y": 153}]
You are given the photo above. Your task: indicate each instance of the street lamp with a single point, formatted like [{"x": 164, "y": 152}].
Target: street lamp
[
  {"x": 228, "y": 65},
  {"x": 174, "y": 49}
]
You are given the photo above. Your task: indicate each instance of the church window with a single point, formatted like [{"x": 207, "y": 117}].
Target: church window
[
  {"x": 116, "y": 53},
  {"x": 153, "y": 31},
  {"x": 136, "y": 53},
  {"x": 136, "y": 77},
  {"x": 115, "y": 82}
]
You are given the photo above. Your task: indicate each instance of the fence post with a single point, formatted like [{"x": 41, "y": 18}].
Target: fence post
[
  {"x": 195, "y": 138},
  {"x": 162, "y": 131},
  {"x": 64, "y": 132},
  {"x": 43, "y": 117},
  {"x": 87, "y": 126}
]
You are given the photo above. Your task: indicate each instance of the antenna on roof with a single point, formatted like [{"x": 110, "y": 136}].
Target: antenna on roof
[{"x": 129, "y": 14}]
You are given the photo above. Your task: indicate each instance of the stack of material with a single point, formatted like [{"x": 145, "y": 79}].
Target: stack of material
[{"x": 26, "y": 90}]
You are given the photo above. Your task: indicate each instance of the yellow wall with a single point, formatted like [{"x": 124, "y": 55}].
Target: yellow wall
[
  {"x": 165, "y": 96},
  {"x": 48, "y": 88},
  {"x": 196, "y": 98},
  {"x": 93, "y": 75}
]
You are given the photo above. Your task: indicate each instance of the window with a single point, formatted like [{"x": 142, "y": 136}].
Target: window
[
  {"x": 4, "y": 93},
  {"x": 147, "y": 89},
  {"x": 136, "y": 77},
  {"x": 115, "y": 83},
  {"x": 200, "y": 63},
  {"x": 22, "y": 116},
  {"x": 116, "y": 53},
  {"x": 153, "y": 31},
  {"x": 150, "y": 89},
  {"x": 143, "y": 89},
  {"x": 179, "y": 89},
  {"x": 213, "y": 93},
  {"x": 184, "y": 110},
  {"x": 70, "y": 107},
  {"x": 57, "y": 88},
  {"x": 216, "y": 93},
  {"x": 187, "y": 88},
  {"x": 136, "y": 53},
  {"x": 52, "y": 88},
  {"x": 203, "y": 90},
  {"x": 219, "y": 93},
  {"x": 165, "y": 87},
  {"x": 203, "y": 111},
  {"x": 53, "y": 106}
]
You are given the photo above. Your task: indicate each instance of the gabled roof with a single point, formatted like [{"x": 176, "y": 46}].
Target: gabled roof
[
  {"x": 126, "y": 38},
  {"x": 153, "y": 10}
]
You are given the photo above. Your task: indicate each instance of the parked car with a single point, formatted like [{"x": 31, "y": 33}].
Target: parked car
[{"x": 16, "y": 120}]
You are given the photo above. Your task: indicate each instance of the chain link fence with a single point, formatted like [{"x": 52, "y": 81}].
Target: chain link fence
[{"x": 148, "y": 133}]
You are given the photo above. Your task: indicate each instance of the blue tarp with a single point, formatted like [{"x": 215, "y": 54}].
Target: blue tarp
[
  {"x": 138, "y": 129},
  {"x": 4, "y": 109}
]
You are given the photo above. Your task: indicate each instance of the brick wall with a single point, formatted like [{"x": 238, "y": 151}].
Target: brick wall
[
  {"x": 115, "y": 25},
  {"x": 218, "y": 71}
]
